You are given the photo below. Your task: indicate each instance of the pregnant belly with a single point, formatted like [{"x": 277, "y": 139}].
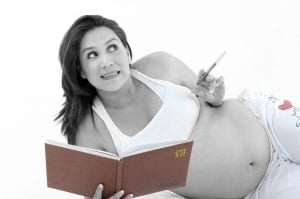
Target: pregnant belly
[{"x": 230, "y": 153}]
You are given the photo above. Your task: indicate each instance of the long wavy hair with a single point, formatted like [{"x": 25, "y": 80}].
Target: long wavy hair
[{"x": 78, "y": 92}]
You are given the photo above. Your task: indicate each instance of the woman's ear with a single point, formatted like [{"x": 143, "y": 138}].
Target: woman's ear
[{"x": 128, "y": 55}]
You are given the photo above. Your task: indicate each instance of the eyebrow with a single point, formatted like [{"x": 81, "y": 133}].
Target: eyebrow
[
  {"x": 89, "y": 48},
  {"x": 110, "y": 40}
]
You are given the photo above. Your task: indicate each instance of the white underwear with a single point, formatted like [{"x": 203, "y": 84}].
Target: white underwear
[{"x": 282, "y": 123}]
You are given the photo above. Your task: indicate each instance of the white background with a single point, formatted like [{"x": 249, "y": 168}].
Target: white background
[{"x": 261, "y": 38}]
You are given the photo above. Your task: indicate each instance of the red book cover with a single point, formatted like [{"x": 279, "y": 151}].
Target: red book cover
[{"x": 79, "y": 170}]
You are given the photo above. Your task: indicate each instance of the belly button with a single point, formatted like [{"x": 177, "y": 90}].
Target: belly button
[{"x": 251, "y": 163}]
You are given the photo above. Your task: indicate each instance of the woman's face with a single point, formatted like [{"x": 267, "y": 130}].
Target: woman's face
[{"x": 104, "y": 59}]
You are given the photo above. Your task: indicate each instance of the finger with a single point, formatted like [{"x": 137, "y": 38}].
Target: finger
[
  {"x": 209, "y": 78},
  {"x": 200, "y": 76},
  {"x": 204, "y": 85},
  {"x": 207, "y": 97},
  {"x": 198, "y": 91},
  {"x": 205, "y": 80},
  {"x": 129, "y": 196},
  {"x": 220, "y": 81},
  {"x": 201, "y": 72},
  {"x": 212, "y": 86},
  {"x": 98, "y": 193},
  {"x": 117, "y": 195}
]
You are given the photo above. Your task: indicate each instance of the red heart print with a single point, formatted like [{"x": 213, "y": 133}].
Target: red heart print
[{"x": 286, "y": 105}]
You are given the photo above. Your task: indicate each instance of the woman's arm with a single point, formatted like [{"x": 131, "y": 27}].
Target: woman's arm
[{"x": 162, "y": 65}]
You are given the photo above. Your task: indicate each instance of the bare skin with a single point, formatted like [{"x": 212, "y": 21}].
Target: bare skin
[
  {"x": 230, "y": 155},
  {"x": 230, "y": 152}
]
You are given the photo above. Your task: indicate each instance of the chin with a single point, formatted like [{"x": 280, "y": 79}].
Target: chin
[{"x": 117, "y": 86}]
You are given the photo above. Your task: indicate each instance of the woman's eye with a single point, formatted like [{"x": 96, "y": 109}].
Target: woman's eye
[
  {"x": 113, "y": 48},
  {"x": 92, "y": 55}
]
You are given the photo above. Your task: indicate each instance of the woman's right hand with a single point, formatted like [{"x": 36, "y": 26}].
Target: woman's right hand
[
  {"x": 118, "y": 195},
  {"x": 210, "y": 89}
]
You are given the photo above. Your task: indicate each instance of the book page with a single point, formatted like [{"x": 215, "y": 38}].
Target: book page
[
  {"x": 84, "y": 149},
  {"x": 148, "y": 147}
]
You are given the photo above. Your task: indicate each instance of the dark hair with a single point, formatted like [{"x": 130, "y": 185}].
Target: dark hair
[{"x": 78, "y": 92}]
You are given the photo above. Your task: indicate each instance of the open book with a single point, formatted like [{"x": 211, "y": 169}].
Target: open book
[{"x": 79, "y": 170}]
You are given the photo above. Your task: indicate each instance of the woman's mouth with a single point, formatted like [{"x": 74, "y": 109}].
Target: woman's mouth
[{"x": 110, "y": 75}]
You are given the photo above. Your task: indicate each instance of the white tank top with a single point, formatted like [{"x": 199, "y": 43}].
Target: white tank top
[{"x": 174, "y": 121}]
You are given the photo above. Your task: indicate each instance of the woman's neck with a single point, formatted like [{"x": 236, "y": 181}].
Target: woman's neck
[{"x": 121, "y": 98}]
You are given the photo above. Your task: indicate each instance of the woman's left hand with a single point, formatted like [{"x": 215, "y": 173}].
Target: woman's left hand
[{"x": 210, "y": 89}]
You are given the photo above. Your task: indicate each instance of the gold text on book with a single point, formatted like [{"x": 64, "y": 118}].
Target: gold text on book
[{"x": 180, "y": 153}]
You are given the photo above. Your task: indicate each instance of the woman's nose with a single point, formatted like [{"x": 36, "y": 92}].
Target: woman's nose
[{"x": 106, "y": 62}]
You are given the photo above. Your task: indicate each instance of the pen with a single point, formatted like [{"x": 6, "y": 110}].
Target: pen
[{"x": 204, "y": 75}]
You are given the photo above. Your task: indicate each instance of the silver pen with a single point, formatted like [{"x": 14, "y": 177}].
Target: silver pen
[{"x": 205, "y": 74}]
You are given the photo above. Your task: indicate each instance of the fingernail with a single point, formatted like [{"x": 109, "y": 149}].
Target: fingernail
[
  {"x": 209, "y": 78},
  {"x": 201, "y": 71},
  {"x": 100, "y": 186}
]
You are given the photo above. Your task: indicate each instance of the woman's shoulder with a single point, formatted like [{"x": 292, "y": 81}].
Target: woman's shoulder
[
  {"x": 88, "y": 132},
  {"x": 164, "y": 66}
]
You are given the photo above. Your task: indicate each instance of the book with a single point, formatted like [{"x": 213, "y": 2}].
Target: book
[{"x": 79, "y": 170}]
